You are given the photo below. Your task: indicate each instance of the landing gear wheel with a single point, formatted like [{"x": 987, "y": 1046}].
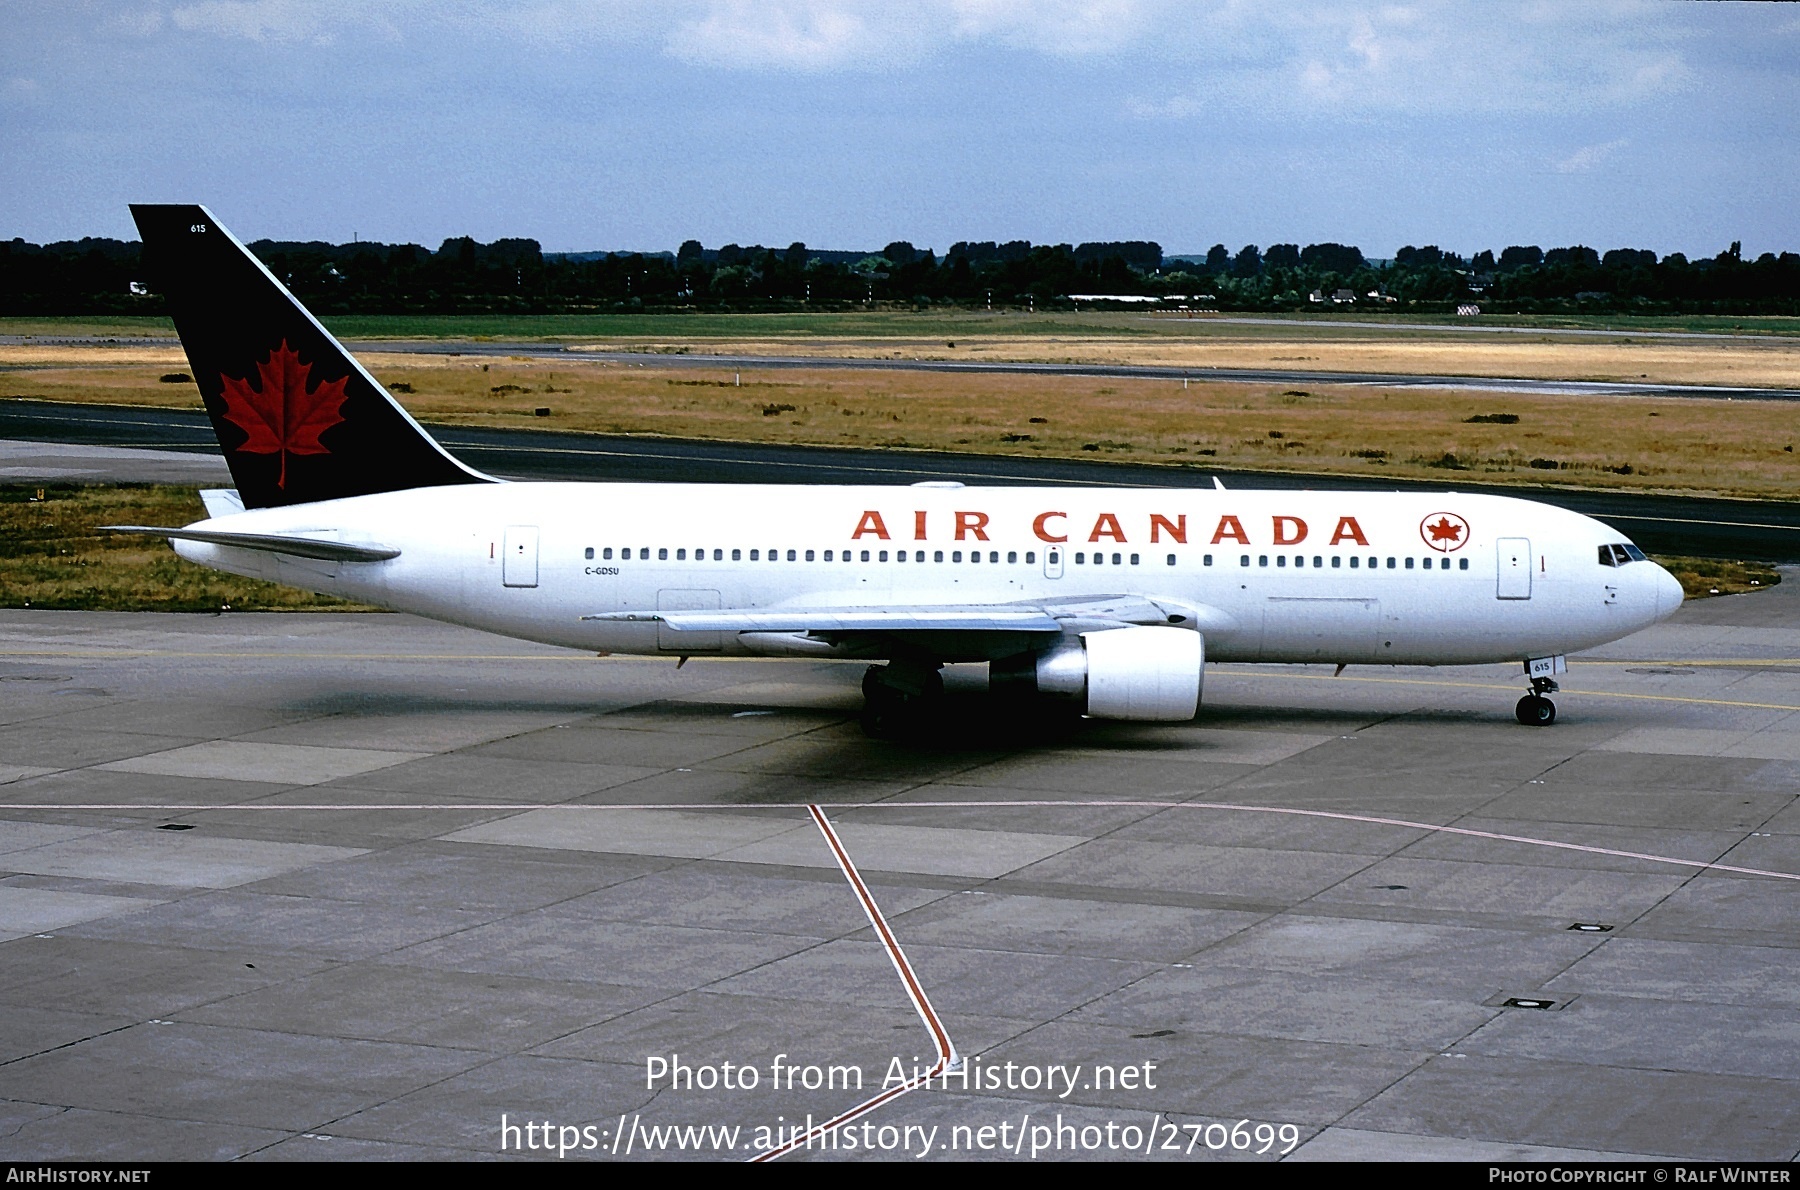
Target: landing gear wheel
[
  {"x": 899, "y": 700},
  {"x": 1534, "y": 710}
]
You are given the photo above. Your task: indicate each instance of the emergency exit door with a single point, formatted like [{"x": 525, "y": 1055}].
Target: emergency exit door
[
  {"x": 519, "y": 562},
  {"x": 1514, "y": 558}
]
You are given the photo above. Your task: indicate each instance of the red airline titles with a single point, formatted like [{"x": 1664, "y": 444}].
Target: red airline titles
[{"x": 1053, "y": 527}]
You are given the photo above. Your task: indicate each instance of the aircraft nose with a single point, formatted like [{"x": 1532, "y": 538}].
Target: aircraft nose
[{"x": 1668, "y": 593}]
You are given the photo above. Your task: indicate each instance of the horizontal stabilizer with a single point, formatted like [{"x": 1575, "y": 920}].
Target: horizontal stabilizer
[
  {"x": 298, "y": 547},
  {"x": 922, "y": 619}
]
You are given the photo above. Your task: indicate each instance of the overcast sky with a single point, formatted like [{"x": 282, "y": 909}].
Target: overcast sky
[{"x": 618, "y": 124}]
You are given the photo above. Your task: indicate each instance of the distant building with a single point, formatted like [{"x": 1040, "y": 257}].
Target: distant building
[
  {"x": 1342, "y": 296},
  {"x": 1116, "y": 297},
  {"x": 1468, "y": 310}
]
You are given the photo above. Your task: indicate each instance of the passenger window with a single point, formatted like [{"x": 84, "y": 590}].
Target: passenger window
[
  {"x": 607, "y": 553},
  {"x": 883, "y": 555},
  {"x": 681, "y": 555},
  {"x": 644, "y": 554},
  {"x": 1281, "y": 559},
  {"x": 1031, "y": 557},
  {"x": 1080, "y": 558},
  {"x": 590, "y": 553},
  {"x": 662, "y": 554},
  {"x": 937, "y": 555},
  {"x": 1409, "y": 564},
  {"x": 755, "y": 556},
  {"x": 718, "y": 555},
  {"x": 1134, "y": 559},
  {"x": 1444, "y": 564},
  {"x": 809, "y": 555},
  {"x": 791, "y": 556},
  {"x": 1390, "y": 563},
  {"x": 956, "y": 555},
  {"x": 1243, "y": 559},
  {"x": 918, "y": 555},
  {"x": 1462, "y": 563},
  {"x": 1337, "y": 560},
  {"x": 1012, "y": 556},
  {"x": 1353, "y": 561},
  {"x": 737, "y": 555},
  {"x": 1115, "y": 559},
  {"x": 828, "y": 555},
  {"x": 1204, "y": 561},
  {"x": 865, "y": 555},
  {"x": 1262, "y": 559}
]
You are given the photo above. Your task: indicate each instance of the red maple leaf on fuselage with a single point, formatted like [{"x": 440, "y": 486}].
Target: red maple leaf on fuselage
[
  {"x": 282, "y": 416},
  {"x": 1445, "y": 531}
]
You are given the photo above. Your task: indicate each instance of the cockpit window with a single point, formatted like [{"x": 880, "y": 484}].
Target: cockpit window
[{"x": 1619, "y": 554}]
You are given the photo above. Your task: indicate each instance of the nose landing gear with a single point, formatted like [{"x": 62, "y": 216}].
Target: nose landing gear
[{"x": 1534, "y": 710}]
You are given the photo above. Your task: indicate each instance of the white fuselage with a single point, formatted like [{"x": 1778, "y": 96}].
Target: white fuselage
[{"x": 1353, "y": 577}]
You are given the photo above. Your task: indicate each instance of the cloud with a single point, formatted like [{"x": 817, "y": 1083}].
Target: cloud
[
  {"x": 1587, "y": 159},
  {"x": 1432, "y": 56},
  {"x": 797, "y": 36},
  {"x": 320, "y": 22}
]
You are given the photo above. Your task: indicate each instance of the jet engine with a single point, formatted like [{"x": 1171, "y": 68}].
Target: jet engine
[{"x": 1144, "y": 673}]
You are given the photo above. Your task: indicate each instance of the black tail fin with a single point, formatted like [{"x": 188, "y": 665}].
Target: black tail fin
[{"x": 297, "y": 417}]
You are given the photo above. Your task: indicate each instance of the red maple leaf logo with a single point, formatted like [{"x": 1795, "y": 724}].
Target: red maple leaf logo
[
  {"x": 282, "y": 416},
  {"x": 1445, "y": 531}
]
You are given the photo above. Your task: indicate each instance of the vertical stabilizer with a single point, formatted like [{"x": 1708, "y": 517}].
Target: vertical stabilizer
[{"x": 297, "y": 417}]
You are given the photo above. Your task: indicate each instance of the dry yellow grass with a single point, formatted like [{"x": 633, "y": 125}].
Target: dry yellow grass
[{"x": 1738, "y": 448}]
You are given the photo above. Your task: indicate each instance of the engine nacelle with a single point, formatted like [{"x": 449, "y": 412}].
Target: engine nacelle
[{"x": 1143, "y": 673}]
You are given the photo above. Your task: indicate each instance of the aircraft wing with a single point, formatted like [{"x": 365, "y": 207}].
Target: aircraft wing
[
  {"x": 271, "y": 543},
  {"x": 1085, "y": 612}
]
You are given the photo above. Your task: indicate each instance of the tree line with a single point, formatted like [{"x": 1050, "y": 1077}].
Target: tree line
[{"x": 103, "y": 276}]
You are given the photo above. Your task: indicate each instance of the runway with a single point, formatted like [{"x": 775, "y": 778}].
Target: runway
[
  {"x": 364, "y": 886},
  {"x": 1682, "y": 525},
  {"x": 537, "y": 349}
]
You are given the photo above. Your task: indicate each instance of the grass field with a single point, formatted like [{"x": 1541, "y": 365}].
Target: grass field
[
  {"x": 52, "y": 556},
  {"x": 1734, "y": 448}
]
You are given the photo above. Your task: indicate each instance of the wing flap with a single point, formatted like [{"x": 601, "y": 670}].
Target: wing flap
[{"x": 824, "y": 620}]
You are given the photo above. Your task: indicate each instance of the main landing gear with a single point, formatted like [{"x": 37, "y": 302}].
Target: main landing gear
[{"x": 900, "y": 697}]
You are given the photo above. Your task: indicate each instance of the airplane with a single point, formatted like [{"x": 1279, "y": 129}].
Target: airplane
[{"x": 1102, "y": 602}]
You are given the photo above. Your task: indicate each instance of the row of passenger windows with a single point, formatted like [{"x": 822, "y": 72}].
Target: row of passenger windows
[
  {"x": 1336, "y": 561},
  {"x": 1081, "y": 557},
  {"x": 718, "y": 555}
]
